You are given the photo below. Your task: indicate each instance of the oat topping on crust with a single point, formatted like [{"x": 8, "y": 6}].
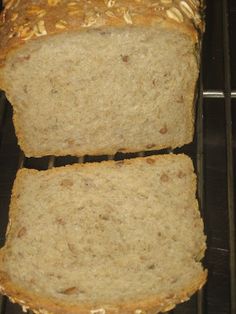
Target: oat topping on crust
[
  {"x": 98, "y": 311},
  {"x": 22, "y": 20}
]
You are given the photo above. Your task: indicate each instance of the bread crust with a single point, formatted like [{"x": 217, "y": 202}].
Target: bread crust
[
  {"x": 24, "y": 20},
  {"x": 42, "y": 305},
  {"x": 150, "y": 305}
]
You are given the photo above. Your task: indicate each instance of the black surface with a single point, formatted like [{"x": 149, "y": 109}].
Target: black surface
[
  {"x": 210, "y": 153},
  {"x": 232, "y": 41},
  {"x": 216, "y": 217},
  {"x": 213, "y": 65}
]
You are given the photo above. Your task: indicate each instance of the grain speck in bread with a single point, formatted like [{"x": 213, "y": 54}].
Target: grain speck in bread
[
  {"x": 97, "y": 77},
  {"x": 109, "y": 238}
]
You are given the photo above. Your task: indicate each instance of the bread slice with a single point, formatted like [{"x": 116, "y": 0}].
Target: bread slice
[
  {"x": 123, "y": 79},
  {"x": 104, "y": 238}
]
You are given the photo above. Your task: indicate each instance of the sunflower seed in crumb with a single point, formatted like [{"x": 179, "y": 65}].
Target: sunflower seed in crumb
[
  {"x": 164, "y": 129},
  {"x": 181, "y": 174},
  {"x": 72, "y": 248},
  {"x": 164, "y": 178},
  {"x": 150, "y": 161},
  {"x": 70, "y": 291},
  {"x": 21, "y": 232},
  {"x": 60, "y": 221},
  {"x": 125, "y": 58},
  {"x": 66, "y": 183}
]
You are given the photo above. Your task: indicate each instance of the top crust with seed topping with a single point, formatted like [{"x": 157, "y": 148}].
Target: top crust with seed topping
[
  {"x": 22, "y": 20},
  {"x": 90, "y": 96}
]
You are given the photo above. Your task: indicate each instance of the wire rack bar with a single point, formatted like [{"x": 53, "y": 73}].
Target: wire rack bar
[
  {"x": 229, "y": 142},
  {"x": 217, "y": 94},
  {"x": 51, "y": 162},
  {"x": 21, "y": 161},
  {"x": 81, "y": 159}
]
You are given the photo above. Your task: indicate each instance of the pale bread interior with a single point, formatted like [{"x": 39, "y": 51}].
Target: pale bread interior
[
  {"x": 106, "y": 233},
  {"x": 102, "y": 91}
]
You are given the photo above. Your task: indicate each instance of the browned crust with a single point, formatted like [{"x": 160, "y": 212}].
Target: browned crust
[
  {"x": 39, "y": 304},
  {"x": 23, "y": 20},
  {"x": 153, "y": 305}
]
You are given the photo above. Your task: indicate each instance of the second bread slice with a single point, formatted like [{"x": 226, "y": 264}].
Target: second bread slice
[{"x": 115, "y": 237}]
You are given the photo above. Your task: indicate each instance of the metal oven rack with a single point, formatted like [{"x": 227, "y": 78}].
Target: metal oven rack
[{"x": 213, "y": 152}]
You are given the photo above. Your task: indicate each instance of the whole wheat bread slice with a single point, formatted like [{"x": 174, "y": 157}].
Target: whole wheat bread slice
[
  {"x": 112, "y": 237},
  {"x": 97, "y": 77}
]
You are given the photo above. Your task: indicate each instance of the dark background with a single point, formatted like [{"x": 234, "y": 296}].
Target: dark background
[{"x": 213, "y": 152}]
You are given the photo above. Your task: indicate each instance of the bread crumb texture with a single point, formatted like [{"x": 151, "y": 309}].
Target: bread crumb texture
[
  {"x": 123, "y": 79},
  {"x": 104, "y": 238},
  {"x": 94, "y": 96}
]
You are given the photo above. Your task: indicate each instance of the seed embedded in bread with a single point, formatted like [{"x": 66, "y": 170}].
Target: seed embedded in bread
[
  {"x": 125, "y": 237},
  {"x": 90, "y": 96}
]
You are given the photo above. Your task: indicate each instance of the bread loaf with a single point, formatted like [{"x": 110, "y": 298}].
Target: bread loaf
[
  {"x": 97, "y": 77},
  {"x": 109, "y": 238}
]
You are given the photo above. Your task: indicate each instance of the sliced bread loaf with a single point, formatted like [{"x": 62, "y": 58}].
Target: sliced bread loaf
[
  {"x": 97, "y": 77},
  {"x": 115, "y": 237}
]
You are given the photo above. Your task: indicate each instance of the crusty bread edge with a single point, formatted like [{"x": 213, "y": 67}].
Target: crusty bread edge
[
  {"x": 13, "y": 20},
  {"x": 43, "y": 305}
]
